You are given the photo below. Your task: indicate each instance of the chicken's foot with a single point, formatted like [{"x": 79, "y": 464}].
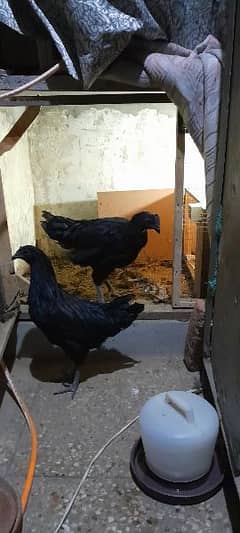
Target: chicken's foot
[{"x": 71, "y": 387}]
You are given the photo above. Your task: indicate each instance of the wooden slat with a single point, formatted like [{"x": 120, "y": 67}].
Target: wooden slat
[
  {"x": 19, "y": 128},
  {"x": 64, "y": 83},
  {"x": 178, "y": 212},
  {"x": 47, "y": 98},
  {"x": 220, "y": 165},
  {"x": 185, "y": 303},
  {"x": 226, "y": 327},
  {"x": 64, "y": 90},
  {"x": 6, "y": 329},
  {"x": 202, "y": 261},
  {"x": 233, "y": 505},
  {"x": 8, "y": 283},
  {"x": 151, "y": 312}
]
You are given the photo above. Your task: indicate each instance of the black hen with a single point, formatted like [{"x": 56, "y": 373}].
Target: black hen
[
  {"x": 103, "y": 243},
  {"x": 74, "y": 324}
]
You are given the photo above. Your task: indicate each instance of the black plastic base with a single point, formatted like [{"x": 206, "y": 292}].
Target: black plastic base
[{"x": 174, "y": 493}]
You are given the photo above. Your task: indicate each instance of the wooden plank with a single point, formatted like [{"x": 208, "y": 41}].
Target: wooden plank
[
  {"x": 189, "y": 226},
  {"x": 127, "y": 203},
  {"x": 205, "y": 263},
  {"x": 226, "y": 327},
  {"x": 8, "y": 283},
  {"x": 220, "y": 165},
  {"x": 178, "y": 212},
  {"x": 84, "y": 98},
  {"x": 151, "y": 312},
  {"x": 6, "y": 329},
  {"x": 232, "y": 499},
  {"x": 65, "y": 83},
  {"x": 19, "y": 128},
  {"x": 202, "y": 261},
  {"x": 210, "y": 374},
  {"x": 198, "y": 261},
  {"x": 185, "y": 303}
]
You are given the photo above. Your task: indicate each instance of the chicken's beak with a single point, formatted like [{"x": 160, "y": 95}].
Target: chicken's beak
[
  {"x": 21, "y": 267},
  {"x": 156, "y": 227},
  {"x": 156, "y": 224}
]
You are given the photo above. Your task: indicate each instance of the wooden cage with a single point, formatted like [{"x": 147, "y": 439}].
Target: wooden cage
[{"x": 222, "y": 338}]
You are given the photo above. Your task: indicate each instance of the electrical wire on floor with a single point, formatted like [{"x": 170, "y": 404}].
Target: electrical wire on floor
[
  {"x": 31, "y": 426},
  {"x": 96, "y": 457}
]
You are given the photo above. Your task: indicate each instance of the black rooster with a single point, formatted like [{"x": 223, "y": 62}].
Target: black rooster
[
  {"x": 74, "y": 324},
  {"x": 103, "y": 243}
]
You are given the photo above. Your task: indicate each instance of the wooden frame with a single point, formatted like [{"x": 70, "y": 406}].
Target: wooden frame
[
  {"x": 220, "y": 166},
  {"x": 226, "y": 317},
  {"x": 63, "y": 90},
  {"x": 86, "y": 98},
  {"x": 49, "y": 93},
  {"x": 202, "y": 261},
  {"x": 18, "y": 129},
  {"x": 221, "y": 338},
  {"x": 195, "y": 216},
  {"x": 177, "y": 301},
  {"x": 119, "y": 97},
  {"x": 8, "y": 284}
]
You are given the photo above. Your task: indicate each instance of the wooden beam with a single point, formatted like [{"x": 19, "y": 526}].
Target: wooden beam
[
  {"x": 19, "y": 128},
  {"x": 8, "y": 283},
  {"x": 51, "y": 98},
  {"x": 178, "y": 212},
  {"x": 65, "y": 84},
  {"x": 208, "y": 381},
  {"x": 202, "y": 260},
  {"x": 220, "y": 165},
  {"x": 226, "y": 317},
  {"x": 6, "y": 329}
]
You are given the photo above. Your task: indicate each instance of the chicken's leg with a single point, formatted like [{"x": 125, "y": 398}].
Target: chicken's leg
[
  {"x": 71, "y": 387},
  {"x": 100, "y": 297},
  {"x": 111, "y": 289}
]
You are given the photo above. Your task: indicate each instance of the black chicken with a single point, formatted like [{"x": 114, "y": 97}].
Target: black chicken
[
  {"x": 103, "y": 243},
  {"x": 74, "y": 324}
]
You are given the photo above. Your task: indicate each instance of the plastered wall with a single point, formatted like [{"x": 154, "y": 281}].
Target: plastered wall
[
  {"x": 17, "y": 184},
  {"x": 70, "y": 154}
]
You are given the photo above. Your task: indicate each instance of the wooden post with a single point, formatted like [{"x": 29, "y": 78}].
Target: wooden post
[
  {"x": 226, "y": 316},
  {"x": 178, "y": 212},
  {"x": 202, "y": 261},
  {"x": 220, "y": 165},
  {"x": 8, "y": 283},
  {"x": 18, "y": 129}
]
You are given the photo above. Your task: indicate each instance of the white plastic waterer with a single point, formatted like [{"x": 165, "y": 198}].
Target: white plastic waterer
[{"x": 179, "y": 432}]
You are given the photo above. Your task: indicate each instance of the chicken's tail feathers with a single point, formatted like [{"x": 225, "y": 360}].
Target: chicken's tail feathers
[
  {"x": 137, "y": 308},
  {"x": 44, "y": 225},
  {"x": 47, "y": 215},
  {"x": 57, "y": 227},
  {"x": 123, "y": 312},
  {"x": 125, "y": 299}
]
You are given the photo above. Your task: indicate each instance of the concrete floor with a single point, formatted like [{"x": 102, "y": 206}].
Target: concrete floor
[{"x": 137, "y": 364}]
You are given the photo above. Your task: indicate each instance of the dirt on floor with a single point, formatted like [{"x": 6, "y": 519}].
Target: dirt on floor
[{"x": 150, "y": 281}]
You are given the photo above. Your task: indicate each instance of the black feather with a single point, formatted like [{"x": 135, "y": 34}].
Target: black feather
[
  {"x": 74, "y": 324},
  {"x": 104, "y": 243}
]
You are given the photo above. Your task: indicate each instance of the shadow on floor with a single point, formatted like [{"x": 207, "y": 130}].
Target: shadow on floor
[{"x": 49, "y": 364}]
